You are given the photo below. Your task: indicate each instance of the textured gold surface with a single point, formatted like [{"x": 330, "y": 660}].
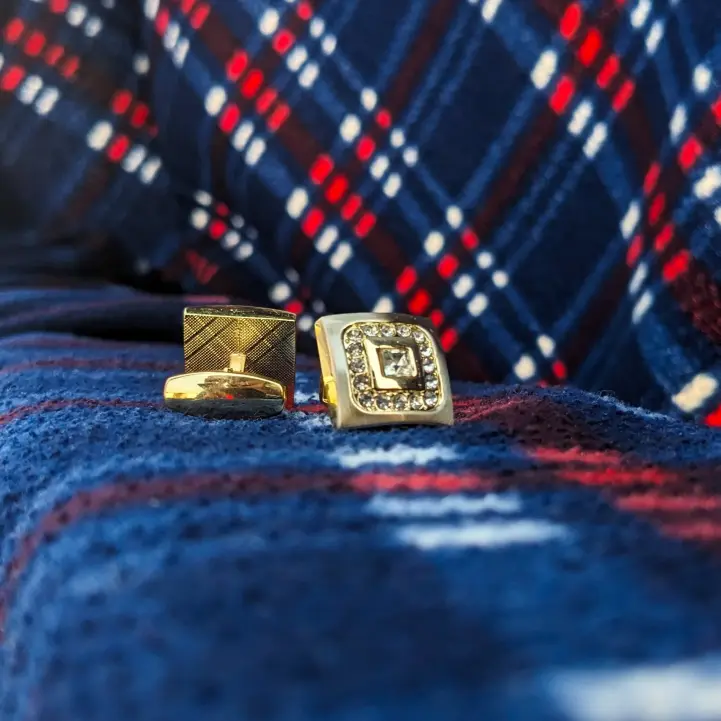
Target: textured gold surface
[
  {"x": 354, "y": 384},
  {"x": 265, "y": 337}
]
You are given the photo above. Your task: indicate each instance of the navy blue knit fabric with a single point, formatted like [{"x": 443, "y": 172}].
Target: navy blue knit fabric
[{"x": 553, "y": 556}]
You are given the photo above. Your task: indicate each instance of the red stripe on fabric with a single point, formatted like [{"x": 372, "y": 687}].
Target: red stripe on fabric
[
  {"x": 229, "y": 118},
  {"x": 406, "y": 279},
  {"x": 304, "y": 10},
  {"x": 63, "y": 404},
  {"x": 559, "y": 370},
  {"x": 421, "y": 481},
  {"x": 655, "y": 501},
  {"x": 121, "y": 101},
  {"x": 624, "y": 94},
  {"x": 365, "y": 224},
  {"x": 217, "y": 229},
  {"x": 365, "y": 148},
  {"x": 12, "y": 77},
  {"x": 448, "y": 339},
  {"x": 162, "y": 18},
  {"x": 283, "y": 41},
  {"x": 384, "y": 118},
  {"x": 716, "y": 110},
  {"x": 676, "y": 266},
  {"x": 312, "y": 222},
  {"x": 591, "y": 46},
  {"x": 199, "y": 16},
  {"x": 321, "y": 169},
  {"x": 690, "y": 152},
  {"x": 35, "y": 43},
  {"x": 658, "y": 205},
  {"x": 14, "y": 30},
  {"x": 351, "y": 206},
  {"x": 279, "y": 115},
  {"x": 651, "y": 179},
  {"x": 563, "y": 94},
  {"x": 117, "y": 148},
  {"x": 447, "y": 266},
  {"x": 203, "y": 269},
  {"x": 266, "y": 100},
  {"x": 634, "y": 250},
  {"x": 700, "y": 531},
  {"x": 53, "y": 54},
  {"x": 713, "y": 419},
  {"x": 571, "y": 21},
  {"x": 608, "y": 72},
  {"x": 469, "y": 239},
  {"x": 236, "y": 65},
  {"x": 419, "y": 303},
  {"x": 336, "y": 189},
  {"x": 70, "y": 67},
  {"x": 91, "y": 364},
  {"x": 252, "y": 83}
]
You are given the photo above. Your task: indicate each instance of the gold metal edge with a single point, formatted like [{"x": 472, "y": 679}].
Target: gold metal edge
[{"x": 240, "y": 311}]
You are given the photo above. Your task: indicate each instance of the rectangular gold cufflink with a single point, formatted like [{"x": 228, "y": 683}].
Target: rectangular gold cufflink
[
  {"x": 382, "y": 369},
  {"x": 239, "y": 363}
]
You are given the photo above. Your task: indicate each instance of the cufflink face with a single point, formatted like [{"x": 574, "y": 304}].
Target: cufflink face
[
  {"x": 382, "y": 369},
  {"x": 239, "y": 363}
]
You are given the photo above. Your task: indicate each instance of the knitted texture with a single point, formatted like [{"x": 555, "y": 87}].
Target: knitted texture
[
  {"x": 554, "y": 556},
  {"x": 540, "y": 177}
]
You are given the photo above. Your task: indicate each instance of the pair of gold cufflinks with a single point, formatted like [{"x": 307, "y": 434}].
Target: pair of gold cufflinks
[{"x": 376, "y": 369}]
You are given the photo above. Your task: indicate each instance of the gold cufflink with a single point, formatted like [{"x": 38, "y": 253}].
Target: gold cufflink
[
  {"x": 382, "y": 369},
  {"x": 239, "y": 363}
]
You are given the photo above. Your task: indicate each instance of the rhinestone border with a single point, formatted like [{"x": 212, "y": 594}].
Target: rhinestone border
[{"x": 370, "y": 399}]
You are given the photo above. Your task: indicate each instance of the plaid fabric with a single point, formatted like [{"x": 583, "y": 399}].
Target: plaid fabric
[
  {"x": 540, "y": 177},
  {"x": 554, "y": 556}
]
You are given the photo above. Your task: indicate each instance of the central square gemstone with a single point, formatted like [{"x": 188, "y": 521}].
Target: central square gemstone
[{"x": 398, "y": 362}]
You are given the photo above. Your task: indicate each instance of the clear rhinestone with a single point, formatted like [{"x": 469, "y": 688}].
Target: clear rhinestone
[
  {"x": 419, "y": 336},
  {"x": 366, "y": 400},
  {"x": 426, "y": 351},
  {"x": 384, "y": 402},
  {"x": 353, "y": 335},
  {"x": 357, "y": 365},
  {"x": 363, "y": 382},
  {"x": 371, "y": 330},
  {"x": 400, "y": 402},
  {"x": 354, "y": 347},
  {"x": 387, "y": 331},
  {"x": 429, "y": 367},
  {"x": 417, "y": 403},
  {"x": 431, "y": 399},
  {"x": 398, "y": 363},
  {"x": 432, "y": 383},
  {"x": 356, "y": 353},
  {"x": 404, "y": 331}
]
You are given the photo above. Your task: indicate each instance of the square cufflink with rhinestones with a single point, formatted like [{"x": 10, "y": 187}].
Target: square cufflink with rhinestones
[{"x": 382, "y": 369}]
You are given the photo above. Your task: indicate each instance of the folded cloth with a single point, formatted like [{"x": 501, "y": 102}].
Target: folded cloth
[
  {"x": 540, "y": 177},
  {"x": 554, "y": 556}
]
